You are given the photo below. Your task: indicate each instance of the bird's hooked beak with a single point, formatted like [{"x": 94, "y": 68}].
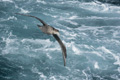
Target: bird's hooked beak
[{"x": 39, "y": 25}]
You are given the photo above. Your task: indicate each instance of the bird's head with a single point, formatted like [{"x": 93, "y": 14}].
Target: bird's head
[
  {"x": 39, "y": 25},
  {"x": 55, "y": 31}
]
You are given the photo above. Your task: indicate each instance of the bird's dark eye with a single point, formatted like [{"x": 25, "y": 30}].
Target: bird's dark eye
[{"x": 53, "y": 28}]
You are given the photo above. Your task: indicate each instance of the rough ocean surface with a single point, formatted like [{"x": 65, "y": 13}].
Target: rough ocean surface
[{"x": 90, "y": 30}]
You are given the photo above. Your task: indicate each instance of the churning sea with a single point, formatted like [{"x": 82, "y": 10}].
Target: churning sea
[{"x": 90, "y": 30}]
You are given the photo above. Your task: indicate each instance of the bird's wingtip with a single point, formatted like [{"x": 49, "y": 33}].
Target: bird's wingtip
[{"x": 16, "y": 13}]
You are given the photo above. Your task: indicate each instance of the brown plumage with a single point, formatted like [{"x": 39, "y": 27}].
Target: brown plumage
[{"x": 45, "y": 28}]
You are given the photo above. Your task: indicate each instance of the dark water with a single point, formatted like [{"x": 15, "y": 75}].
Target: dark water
[
  {"x": 89, "y": 29},
  {"x": 115, "y": 2}
]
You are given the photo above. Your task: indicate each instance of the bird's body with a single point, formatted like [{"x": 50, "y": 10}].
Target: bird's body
[
  {"x": 48, "y": 30},
  {"x": 45, "y": 28}
]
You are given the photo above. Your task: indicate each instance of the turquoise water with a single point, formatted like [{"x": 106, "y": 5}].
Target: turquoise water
[{"x": 89, "y": 29}]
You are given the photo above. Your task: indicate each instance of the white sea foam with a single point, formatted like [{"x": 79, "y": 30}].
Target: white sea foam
[
  {"x": 119, "y": 69},
  {"x": 41, "y": 1},
  {"x": 48, "y": 55},
  {"x": 83, "y": 28},
  {"x": 46, "y": 42},
  {"x": 7, "y": 0},
  {"x": 42, "y": 76},
  {"x": 116, "y": 57},
  {"x": 23, "y": 74},
  {"x": 73, "y": 17},
  {"x": 78, "y": 50},
  {"x": 24, "y": 11},
  {"x": 9, "y": 18},
  {"x": 9, "y": 42},
  {"x": 72, "y": 22},
  {"x": 97, "y": 17},
  {"x": 111, "y": 41},
  {"x": 83, "y": 71},
  {"x": 69, "y": 35},
  {"x": 92, "y": 52},
  {"x": 12, "y": 17},
  {"x": 52, "y": 49},
  {"x": 21, "y": 9},
  {"x": 52, "y": 78},
  {"x": 97, "y": 53},
  {"x": 75, "y": 49},
  {"x": 92, "y": 6},
  {"x": 54, "y": 16},
  {"x": 25, "y": 27},
  {"x": 13, "y": 46},
  {"x": 96, "y": 65},
  {"x": 116, "y": 34},
  {"x": 8, "y": 49},
  {"x": 102, "y": 8}
]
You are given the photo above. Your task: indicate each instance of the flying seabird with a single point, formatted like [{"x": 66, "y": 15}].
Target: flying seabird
[{"x": 45, "y": 28}]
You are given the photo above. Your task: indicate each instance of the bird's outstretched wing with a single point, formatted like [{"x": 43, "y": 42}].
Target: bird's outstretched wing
[
  {"x": 33, "y": 17},
  {"x": 62, "y": 47}
]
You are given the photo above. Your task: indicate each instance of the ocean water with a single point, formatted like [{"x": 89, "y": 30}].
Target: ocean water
[{"x": 89, "y": 29}]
